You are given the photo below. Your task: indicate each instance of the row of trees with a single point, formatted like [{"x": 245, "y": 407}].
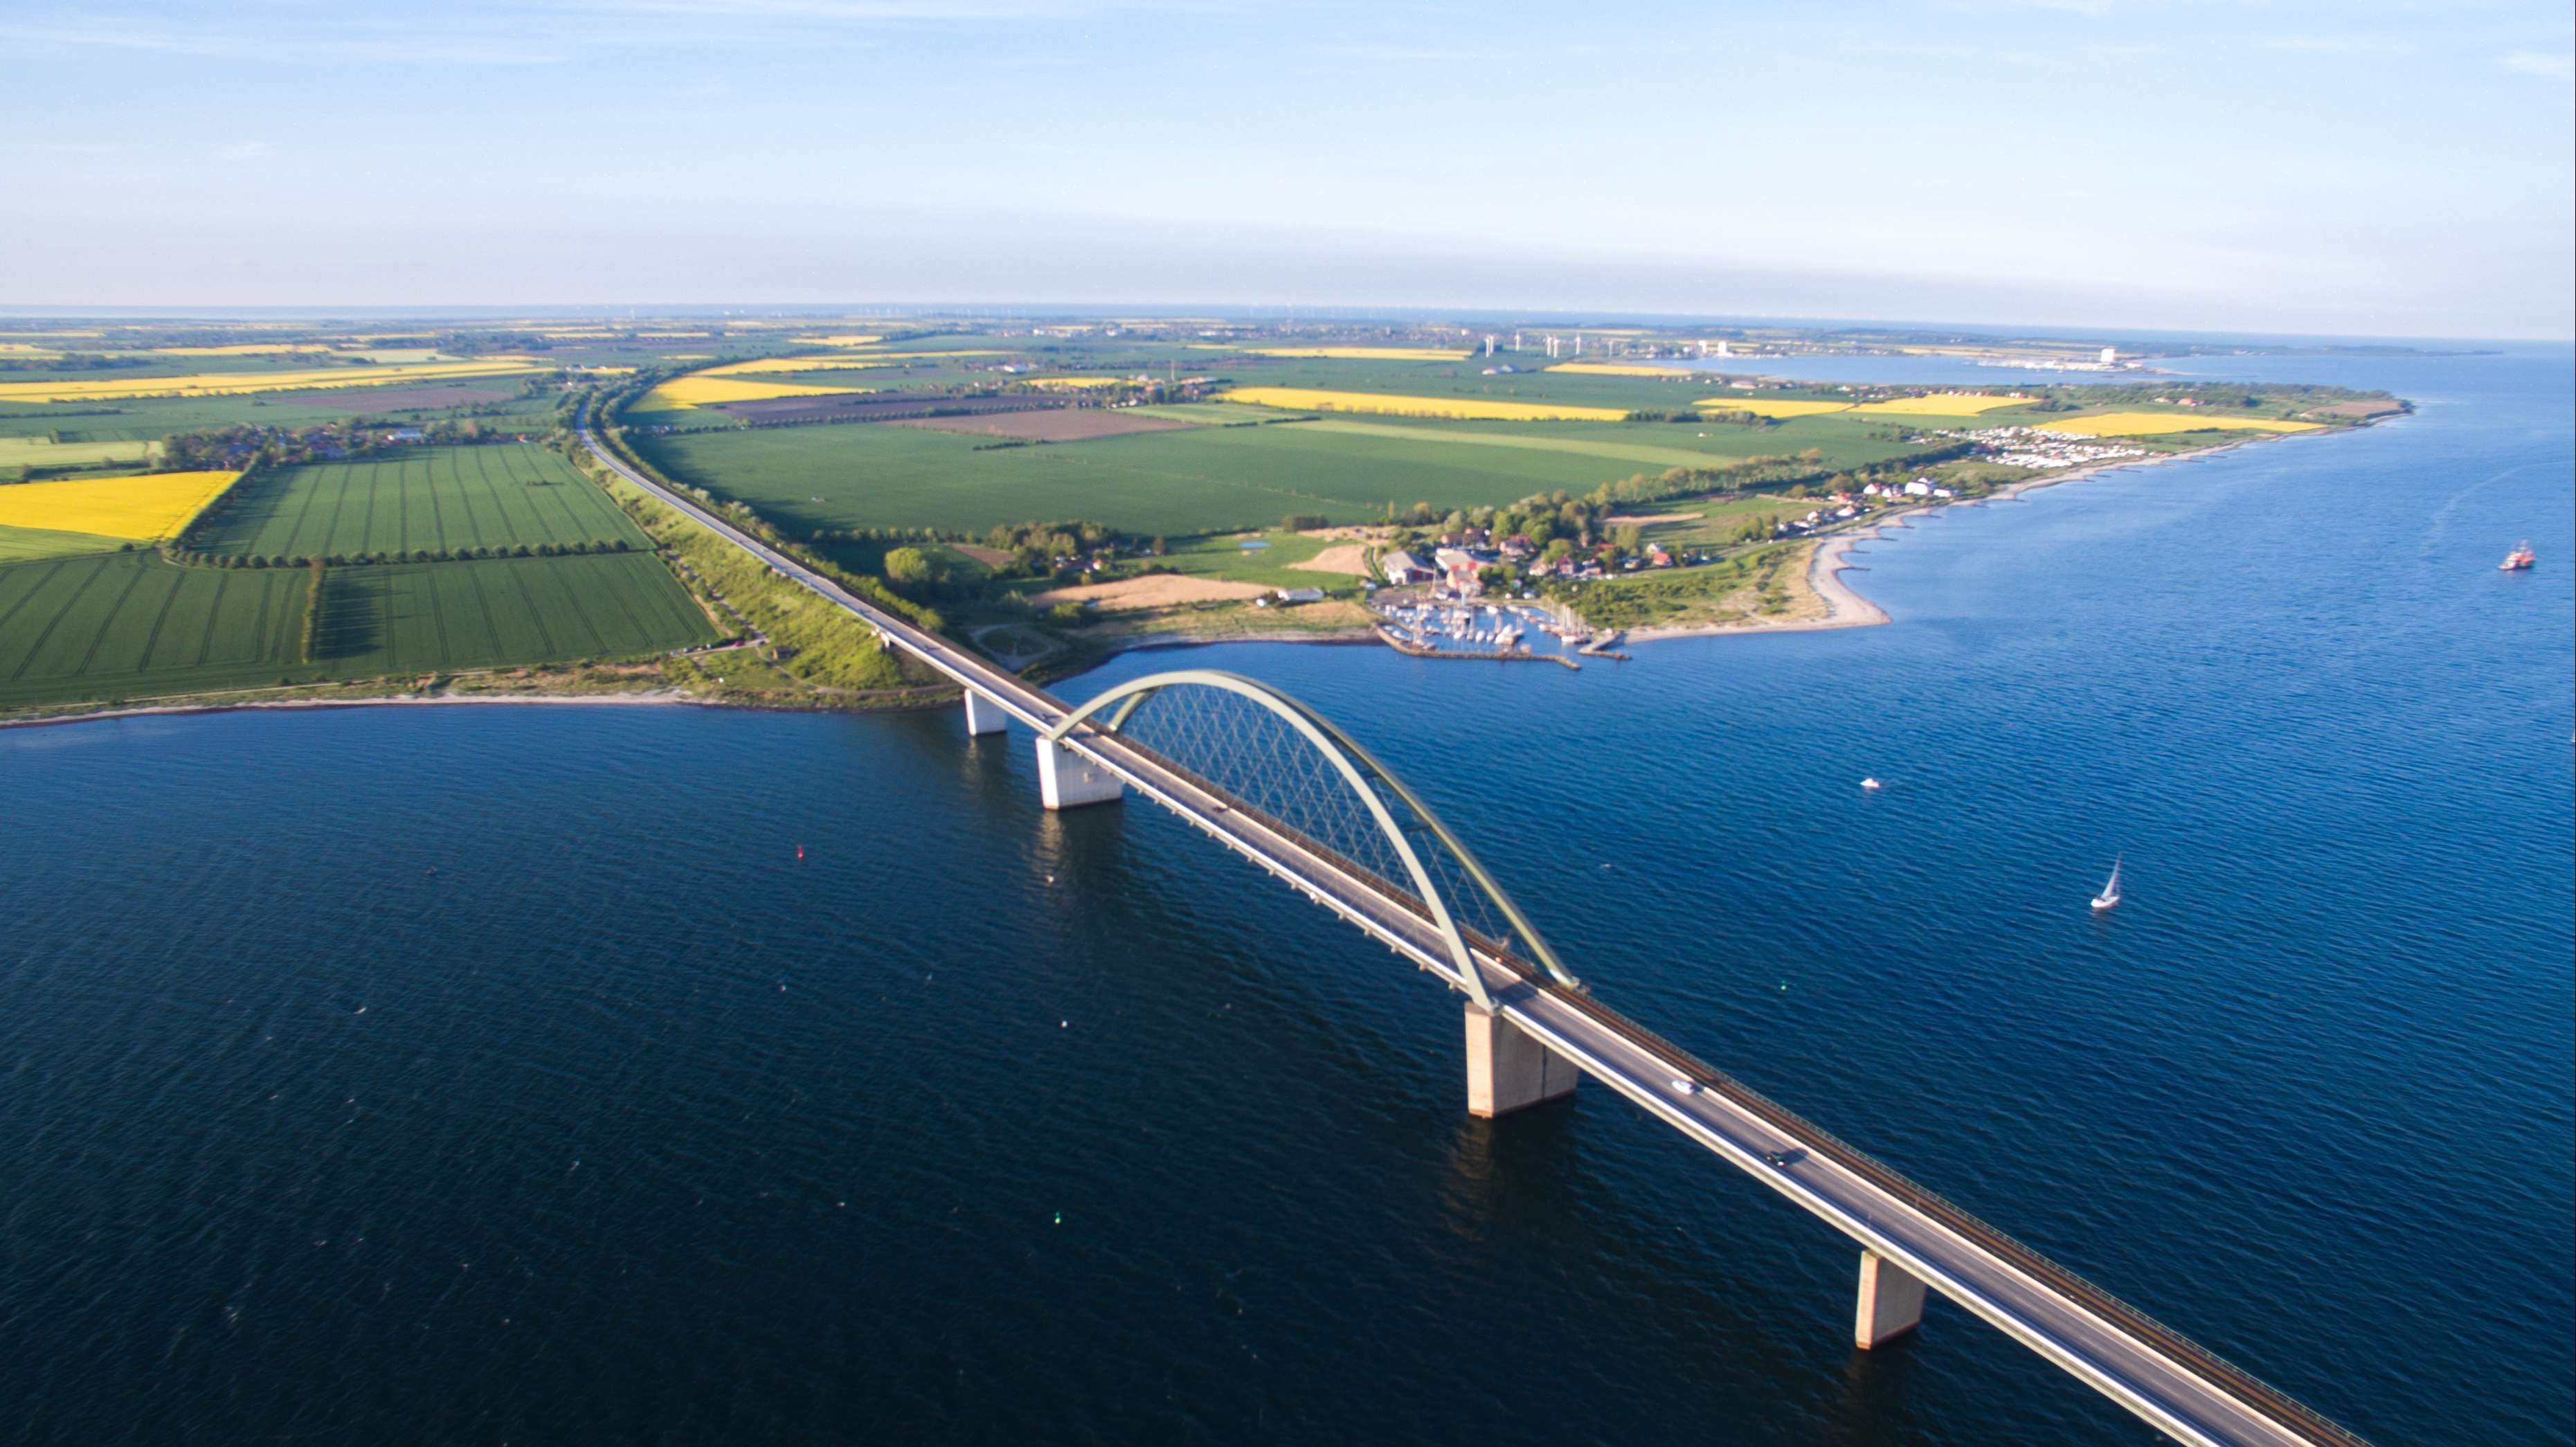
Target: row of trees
[{"x": 197, "y": 557}]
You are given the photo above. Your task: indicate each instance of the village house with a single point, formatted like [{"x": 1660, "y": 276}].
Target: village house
[{"x": 1402, "y": 567}]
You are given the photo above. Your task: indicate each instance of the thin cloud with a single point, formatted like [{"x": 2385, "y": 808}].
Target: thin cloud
[
  {"x": 242, "y": 152},
  {"x": 2337, "y": 45},
  {"x": 235, "y": 47},
  {"x": 2534, "y": 62}
]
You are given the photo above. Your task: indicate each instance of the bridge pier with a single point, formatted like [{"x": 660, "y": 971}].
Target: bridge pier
[
  {"x": 1067, "y": 779},
  {"x": 1508, "y": 1070},
  {"x": 1891, "y": 1301},
  {"x": 983, "y": 716}
]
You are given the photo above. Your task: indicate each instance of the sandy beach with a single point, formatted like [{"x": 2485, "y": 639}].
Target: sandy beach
[{"x": 1846, "y": 608}]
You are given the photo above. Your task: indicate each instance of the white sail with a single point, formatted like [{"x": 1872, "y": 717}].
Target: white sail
[{"x": 2110, "y": 894}]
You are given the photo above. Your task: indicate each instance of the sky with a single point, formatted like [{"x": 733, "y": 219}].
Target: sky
[{"x": 2361, "y": 168}]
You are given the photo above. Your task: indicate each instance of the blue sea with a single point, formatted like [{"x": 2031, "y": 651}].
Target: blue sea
[{"x": 505, "y": 1074}]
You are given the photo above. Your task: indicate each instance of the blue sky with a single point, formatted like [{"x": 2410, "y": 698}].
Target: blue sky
[{"x": 2354, "y": 168}]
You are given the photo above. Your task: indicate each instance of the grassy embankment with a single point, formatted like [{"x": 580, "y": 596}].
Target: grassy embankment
[{"x": 825, "y": 658}]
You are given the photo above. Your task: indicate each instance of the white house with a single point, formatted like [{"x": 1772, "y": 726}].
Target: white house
[
  {"x": 1918, "y": 488},
  {"x": 1403, "y": 567}
]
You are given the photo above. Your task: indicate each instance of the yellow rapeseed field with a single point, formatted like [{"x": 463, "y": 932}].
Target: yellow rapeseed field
[
  {"x": 1944, "y": 404},
  {"x": 1364, "y": 354},
  {"x": 1618, "y": 369},
  {"x": 1770, "y": 406},
  {"x": 154, "y": 505},
  {"x": 1076, "y": 382},
  {"x": 701, "y": 390},
  {"x": 1305, "y": 399},
  {"x": 841, "y": 341},
  {"x": 2156, "y": 424},
  {"x": 226, "y": 384}
]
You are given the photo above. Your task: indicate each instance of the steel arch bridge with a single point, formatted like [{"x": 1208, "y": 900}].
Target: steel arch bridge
[{"x": 1392, "y": 824}]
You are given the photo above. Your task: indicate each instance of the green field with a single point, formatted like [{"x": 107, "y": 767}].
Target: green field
[
  {"x": 1639, "y": 446},
  {"x": 37, "y": 452},
  {"x": 1224, "y": 556},
  {"x": 128, "y": 625},
  {"x": 1212, "y": 414},
  {"x": 19, "y": 544},
  {"x": 1203, "y": 480},
  {"x": 431, "y": 499},
  {"x": 150, "y": 419},
  {"x": 425, "y": 617}
]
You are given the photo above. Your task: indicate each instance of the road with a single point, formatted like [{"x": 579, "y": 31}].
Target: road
[{"x": 2182, "y": 1390}]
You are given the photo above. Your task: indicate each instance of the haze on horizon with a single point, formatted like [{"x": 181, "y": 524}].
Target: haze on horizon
[{"x": 2296, "y": 167}]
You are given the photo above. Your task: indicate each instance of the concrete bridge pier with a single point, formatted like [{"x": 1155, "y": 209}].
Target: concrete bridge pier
[
  {"x": 1507, "y": 1070},
  {"x": 1891, "y": 1301},
  {"x": 1067, "y": 780},
  {"x": 983, "y": 716}
]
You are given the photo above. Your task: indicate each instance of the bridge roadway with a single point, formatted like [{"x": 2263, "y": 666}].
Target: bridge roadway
[{"x": 2184, "y": 1391}]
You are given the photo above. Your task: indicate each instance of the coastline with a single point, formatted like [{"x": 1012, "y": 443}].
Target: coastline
[
  {"x": 644, "y": 698},
  {"x": 659, "y": 697},
  {"x": 1847, "y": 608},
  {"x": 1830, "y": 557}
]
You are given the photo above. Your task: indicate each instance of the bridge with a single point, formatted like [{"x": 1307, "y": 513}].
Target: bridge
[{"x": 1280, "y": 785}]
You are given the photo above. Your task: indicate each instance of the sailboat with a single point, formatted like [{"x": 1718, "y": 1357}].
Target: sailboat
[{"x": 2110, "y": 894}]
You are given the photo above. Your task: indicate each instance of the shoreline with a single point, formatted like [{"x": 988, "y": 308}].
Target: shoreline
[
  {"x": 641, "y": 698},
  {"x": 1845, "y": 607},
  {"x": 662, "y": 696}
]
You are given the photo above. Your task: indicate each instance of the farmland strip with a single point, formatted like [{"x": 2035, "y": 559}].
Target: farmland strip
[
  {"x": 571, "y": 530},
  {"x": 33, "y": 590},
  {"x": 465, "y": 500},
  {"x": 483, "y": 600},
  {"x": 295, "y": 530},
  {"x": 624, "y": 592},
  {"x": 438, "y": 519},
  {"x": 578, "y": 584},
  {"x": 143, "y": 659},
  {"x": 214, "y": 610},
  {"x": 367, "y": 526},
  {"x": 536, "y": 615},
  {"x": 108, "y": 624},
  {"x": 437, "y": 617},
  {"x": 509, "y": 524}
]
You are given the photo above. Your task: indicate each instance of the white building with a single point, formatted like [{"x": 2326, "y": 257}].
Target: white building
[{"x": 1403, "y": 567}]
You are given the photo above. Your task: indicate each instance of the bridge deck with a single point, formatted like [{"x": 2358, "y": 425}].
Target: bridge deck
[{"x": 2180, "y": 1388}]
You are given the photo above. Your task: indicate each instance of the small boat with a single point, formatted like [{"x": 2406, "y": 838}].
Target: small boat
[
  {"x": 2110, "y": 894},
  {"x": 2520, "y": 559},
  {"x": 1871, "y": 784}
]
